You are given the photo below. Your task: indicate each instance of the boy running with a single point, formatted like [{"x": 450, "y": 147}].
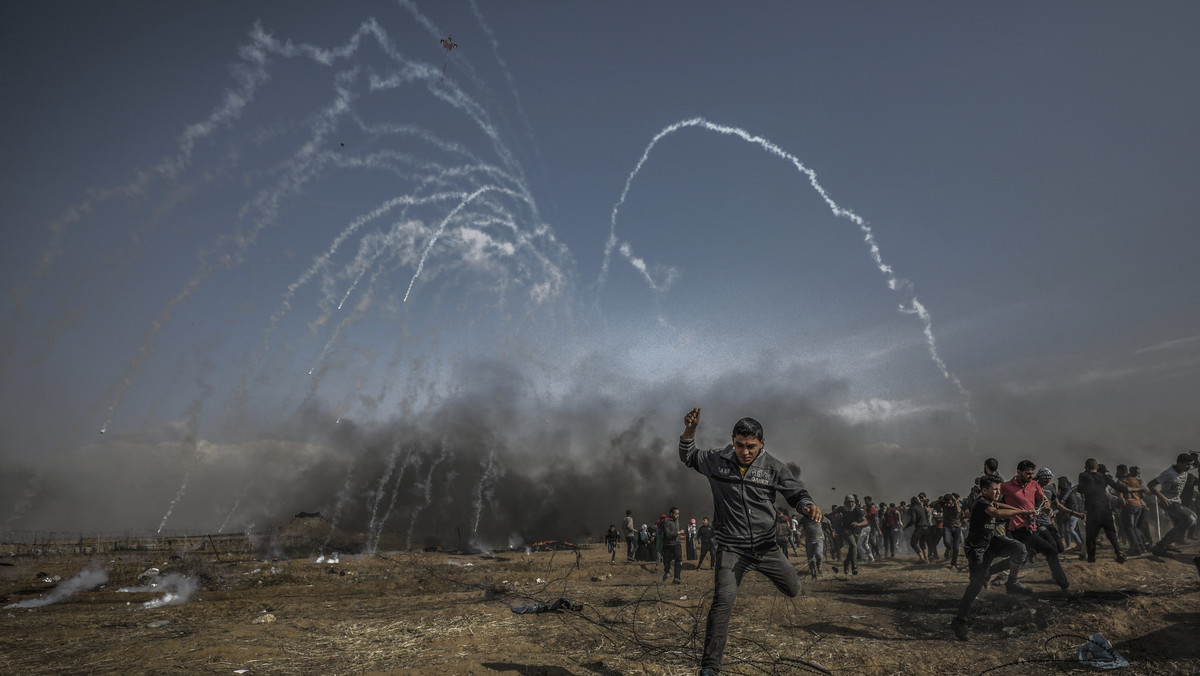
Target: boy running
[{"x": 983, "y": 545}]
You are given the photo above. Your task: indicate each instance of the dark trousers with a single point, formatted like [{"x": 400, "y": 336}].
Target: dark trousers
[
  {"x": 1096, "y": 520},
  {"x": 706, "y": 550},
  {"x": 932, "y": 538},
  {"x": 920, "y": 540},
  {"x": 672, "y": 553},
  {"x": 732, "y": 565},
  {"x": 630, "y": 546},
  {"x": 853, "y": 540},
  {"x": 1041, "y": 542},
  {"x": 953, "y": 536},
  {"x": 889, "y": 541},
  {"x": 979, "y": 561}
]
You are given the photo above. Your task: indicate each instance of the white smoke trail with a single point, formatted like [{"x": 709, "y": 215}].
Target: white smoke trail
[
  {"x": 229, "y": 250},
  {"x": 494, "y": 42},
  {"x": 408, "y": 72},
  {"x": 178, "y": 496},
  {"x": 449, "y": 91},
  {"x": 487, "y": 487},
  {"x": 911, "y": 306},
  {"x": 426, "y": 491},
  {"x": 233, "y": 510},
  {"x": 442, "y": 228},
  {"x": 89, "y": 578},
  {"x": 192, "y": 415},
  {"x": 378, "y": 535},
  {"x": 342, "y": 498},
  {"x": 249, "y": 75},
  {"x": 379, "y": 492}
]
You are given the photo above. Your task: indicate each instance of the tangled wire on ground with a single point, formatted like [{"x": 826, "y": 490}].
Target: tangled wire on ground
[{"x": 654, "y": 625}]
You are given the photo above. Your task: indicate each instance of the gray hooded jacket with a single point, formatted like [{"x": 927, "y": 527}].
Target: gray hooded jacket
[{"x": 744, "y": 506}]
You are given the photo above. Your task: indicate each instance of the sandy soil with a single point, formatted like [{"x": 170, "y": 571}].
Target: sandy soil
[{"x": 439, "y": 614}]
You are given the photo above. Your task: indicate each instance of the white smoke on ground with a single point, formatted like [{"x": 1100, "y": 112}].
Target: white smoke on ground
[
  {"x": 176, "y": 589},
  {"x": 87, "y": 579}
]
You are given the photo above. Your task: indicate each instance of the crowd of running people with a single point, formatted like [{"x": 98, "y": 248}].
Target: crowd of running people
[{"x": 995, "y": 525}]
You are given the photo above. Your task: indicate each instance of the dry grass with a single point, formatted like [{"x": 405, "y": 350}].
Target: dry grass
[{"x": 436, "y": 613}]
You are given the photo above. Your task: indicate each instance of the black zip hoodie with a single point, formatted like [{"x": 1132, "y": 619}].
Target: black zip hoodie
[{"x": 744, "y": 506}]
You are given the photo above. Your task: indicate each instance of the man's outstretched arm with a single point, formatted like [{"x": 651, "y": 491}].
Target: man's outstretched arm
[
  {"x": 690, "y": 422},
  {"x": 687, "y": 440}
]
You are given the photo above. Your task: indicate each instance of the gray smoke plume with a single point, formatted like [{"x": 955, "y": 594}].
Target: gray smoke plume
[{"x": 89, "y": 578}]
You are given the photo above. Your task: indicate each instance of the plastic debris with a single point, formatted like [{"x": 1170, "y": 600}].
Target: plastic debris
[{"x": 1098, "y": 652}]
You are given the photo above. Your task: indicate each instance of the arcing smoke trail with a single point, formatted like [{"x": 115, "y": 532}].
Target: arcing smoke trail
[
  {"x": 912, "y": 304},
  {"x": 442, "y": 228},
  {"x": 305, "y": 166}
]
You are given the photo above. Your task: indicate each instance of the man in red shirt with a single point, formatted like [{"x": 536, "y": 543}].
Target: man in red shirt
[{"x": 1022, "y": 492}]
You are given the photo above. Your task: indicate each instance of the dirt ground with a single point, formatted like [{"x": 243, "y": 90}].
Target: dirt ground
[{"x": 435, "y": 613}]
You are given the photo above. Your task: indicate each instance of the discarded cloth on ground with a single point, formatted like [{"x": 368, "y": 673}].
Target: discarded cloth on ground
[
  {"x": 560, "y": 604},
  {"x": 1098, "y": 652}
]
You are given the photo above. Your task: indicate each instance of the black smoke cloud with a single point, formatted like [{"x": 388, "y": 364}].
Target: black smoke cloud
[{"x": 562, "y": 466}]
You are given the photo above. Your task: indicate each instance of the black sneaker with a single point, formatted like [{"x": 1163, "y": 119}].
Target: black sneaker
[
  {"x": 1017, "y": 587},
  {"x": 1120, "y": 558},
  {"x": 959, "y": 626}
]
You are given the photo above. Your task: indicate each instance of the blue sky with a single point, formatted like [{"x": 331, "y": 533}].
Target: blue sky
[{"x": 190, "y": 191}]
